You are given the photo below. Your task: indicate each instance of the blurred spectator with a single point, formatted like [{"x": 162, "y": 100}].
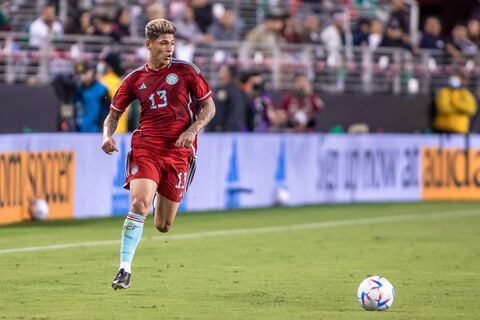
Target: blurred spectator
[
  {"x": 188, "y": 35},
  {"x": 227, "y": 27},
  {"x": 121, "y": 24},
  {"x": 262, "y": 115},
  {"x": 302, "y": 106},
  {"x": 311, "y": 29},
  {"x": 103, "y": 26},
  {"x": 432, "y": 34},
  {"x": 473, "y": 27},
  {"x": 92, "y": 101},
  {"x": 4, "y": 21},
  {"x": 155, "y": 11},
  {"x": 110, "y": 71},
  {"x": 267, "y": 33},
  {"x": 401, "y": 14},
  {"x": 65, "y": 89},
  {"x": 376, "y": 34},
  {"x": 394, "y": 36},
  {"x": 455, "y": 106},
  {"x": 230, "y": 103},
  {"x": 82, "y": 24},
  {"x": 44, "y": 27},
  {"x": 203, "y": 13},
  {"x": 361, "y": 32},
  {"x": 333, "y": 36},
  {"x": 292, "y": 32},
  {"x": 460, "y": 46}
]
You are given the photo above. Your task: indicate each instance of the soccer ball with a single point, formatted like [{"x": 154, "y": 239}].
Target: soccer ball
[
  {"x": 375, "y": 294},
  {"x": 39, "y": 209}
]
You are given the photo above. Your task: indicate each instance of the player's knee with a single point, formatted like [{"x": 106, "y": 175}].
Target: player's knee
[
  {"x": 140, "y": 206},
  {"x": 163, "y": 227}
]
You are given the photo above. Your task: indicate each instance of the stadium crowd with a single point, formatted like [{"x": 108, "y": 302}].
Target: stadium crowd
[{"x": 243, "y": 101}]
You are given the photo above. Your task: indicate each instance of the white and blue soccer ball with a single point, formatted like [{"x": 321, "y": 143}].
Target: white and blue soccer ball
[
  {"x": 375, "y": 294},
  {"x": 39, "y": 209}
]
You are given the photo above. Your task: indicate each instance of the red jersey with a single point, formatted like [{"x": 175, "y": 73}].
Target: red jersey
[{"x": 168, "y": 99}]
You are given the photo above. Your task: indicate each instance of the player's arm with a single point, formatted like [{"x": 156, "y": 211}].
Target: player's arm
[
  {"x": 109, "y": 126},
  {"x": 207, "y": 111}
]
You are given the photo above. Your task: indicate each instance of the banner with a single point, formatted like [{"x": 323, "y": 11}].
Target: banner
[
  {"x": 237, "y": 170},
  {"x": 451, "y": 174},
  {"x": 25, "y": 176}
]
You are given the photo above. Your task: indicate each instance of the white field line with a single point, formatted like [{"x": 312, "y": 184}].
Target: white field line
[{"x": 295, "y": 227}]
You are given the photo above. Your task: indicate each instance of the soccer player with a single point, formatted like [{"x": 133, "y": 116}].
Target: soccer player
[{"x": 176, "y": 104}]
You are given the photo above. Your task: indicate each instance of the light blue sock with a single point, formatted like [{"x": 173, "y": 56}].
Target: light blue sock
[{"x": 131, "y": 235}]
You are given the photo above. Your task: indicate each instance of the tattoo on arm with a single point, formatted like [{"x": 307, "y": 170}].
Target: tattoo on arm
[
  {"x": 207, "y": 111},
  {"x": 111, "y": 123}
]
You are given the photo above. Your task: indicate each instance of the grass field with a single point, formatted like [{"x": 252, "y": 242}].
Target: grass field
[{"x": 429, "y": 251}]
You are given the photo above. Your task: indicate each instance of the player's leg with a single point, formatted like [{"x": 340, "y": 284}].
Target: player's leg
[
  {"x": 142, "y": 192},
  {"x": 165, "y": 213}
]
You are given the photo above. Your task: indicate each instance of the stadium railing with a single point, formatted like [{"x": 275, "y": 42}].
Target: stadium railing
[{"x": 356, "y": 69}]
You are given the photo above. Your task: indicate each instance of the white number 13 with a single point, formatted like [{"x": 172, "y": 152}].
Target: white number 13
[{"x": 162, "y": 94}]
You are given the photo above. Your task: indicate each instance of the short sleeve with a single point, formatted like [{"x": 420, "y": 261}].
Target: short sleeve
[
  {"x": 199, "y": 87},
  {"x": 123, "y": 97}
]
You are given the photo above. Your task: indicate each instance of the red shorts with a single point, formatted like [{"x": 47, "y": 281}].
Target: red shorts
[{"x": 173, "y": 175}]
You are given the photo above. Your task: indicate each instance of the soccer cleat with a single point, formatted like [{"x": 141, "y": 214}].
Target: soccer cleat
[{"x": 122, "y": 280}]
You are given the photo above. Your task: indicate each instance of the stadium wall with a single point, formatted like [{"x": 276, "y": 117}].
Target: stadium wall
[
  {"x": 242, "y": 171},
  {"x": 22, "y": 112}
]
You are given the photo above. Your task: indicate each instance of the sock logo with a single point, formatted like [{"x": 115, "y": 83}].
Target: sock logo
[{"x": 130, "y": 227}]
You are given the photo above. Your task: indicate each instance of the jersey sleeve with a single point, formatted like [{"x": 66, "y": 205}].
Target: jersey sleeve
[
  {"x": 123, "y": 97},
  {"x": 199, "y": 87}
]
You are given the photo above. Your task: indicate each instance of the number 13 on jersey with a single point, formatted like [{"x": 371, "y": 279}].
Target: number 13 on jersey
[{"x": 162, "y": 96}]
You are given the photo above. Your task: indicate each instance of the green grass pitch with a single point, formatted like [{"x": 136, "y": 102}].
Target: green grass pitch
[{"x": 309, "y": 272}]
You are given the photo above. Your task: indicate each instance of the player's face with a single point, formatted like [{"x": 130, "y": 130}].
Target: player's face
[{"x": 161, "y": 49}]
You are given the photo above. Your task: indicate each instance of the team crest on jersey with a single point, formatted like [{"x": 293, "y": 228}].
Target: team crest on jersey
[
  {"x": 134, "y": 170},
  {"x": 172, "y": 78}
]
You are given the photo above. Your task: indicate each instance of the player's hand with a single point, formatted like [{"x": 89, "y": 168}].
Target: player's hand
[
  {"x": 109, "y": 145},
  {"x": 186, "y": 139}
]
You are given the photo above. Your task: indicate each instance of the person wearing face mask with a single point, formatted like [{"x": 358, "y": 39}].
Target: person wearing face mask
[
  {"x": 455, "y": 106},
  {"x": 302, "y": 105}
]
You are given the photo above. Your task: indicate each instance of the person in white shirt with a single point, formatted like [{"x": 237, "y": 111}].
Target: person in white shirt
[{"x": 43, "y": 27}]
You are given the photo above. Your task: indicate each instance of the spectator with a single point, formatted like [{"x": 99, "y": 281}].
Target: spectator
[
  {"x": 203, "y": 13},
  {"x": 394, "y": 36},
  {"x": 155, "y": 11},
  {"x": 82, "y": 24},
  {"x": 92, "y": 101},
  {"x": 262, "y": 116},
  {"x": 333, "y": 36},
  {"x": 267, "y": 33},
  {"x": 455, "y": 106},
  {"x": 432, "y": 34},
  {"x": 460, "y": 46},
  {"x": 375, "y": 37},
  {"x": 311, "y": 29},
  {"x": 4, "y": 21},
  {"x": 121, "y": 25},
  {"x": 188, "y": 35},
  {"x": 292, "y": 32},
  {"x": 103, "y": 26},
  {"x": 110, "y": 71},
  {"x": 361, "y": 32},
  {"x": 44, "y": 28},
  {"x": 302, "y": 105},
  {"x": 473, "y": 27},
  {"x": 401, "y": 14},
  {"x": 230, "y": 102},
  {"x": 227, "y": 28}
]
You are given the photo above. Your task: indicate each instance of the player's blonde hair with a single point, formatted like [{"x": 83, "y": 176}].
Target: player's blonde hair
[{"x": 156, "y": 27}]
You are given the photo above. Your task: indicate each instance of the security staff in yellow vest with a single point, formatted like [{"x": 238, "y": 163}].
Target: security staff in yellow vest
[{"x": 455, "y": 106}]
